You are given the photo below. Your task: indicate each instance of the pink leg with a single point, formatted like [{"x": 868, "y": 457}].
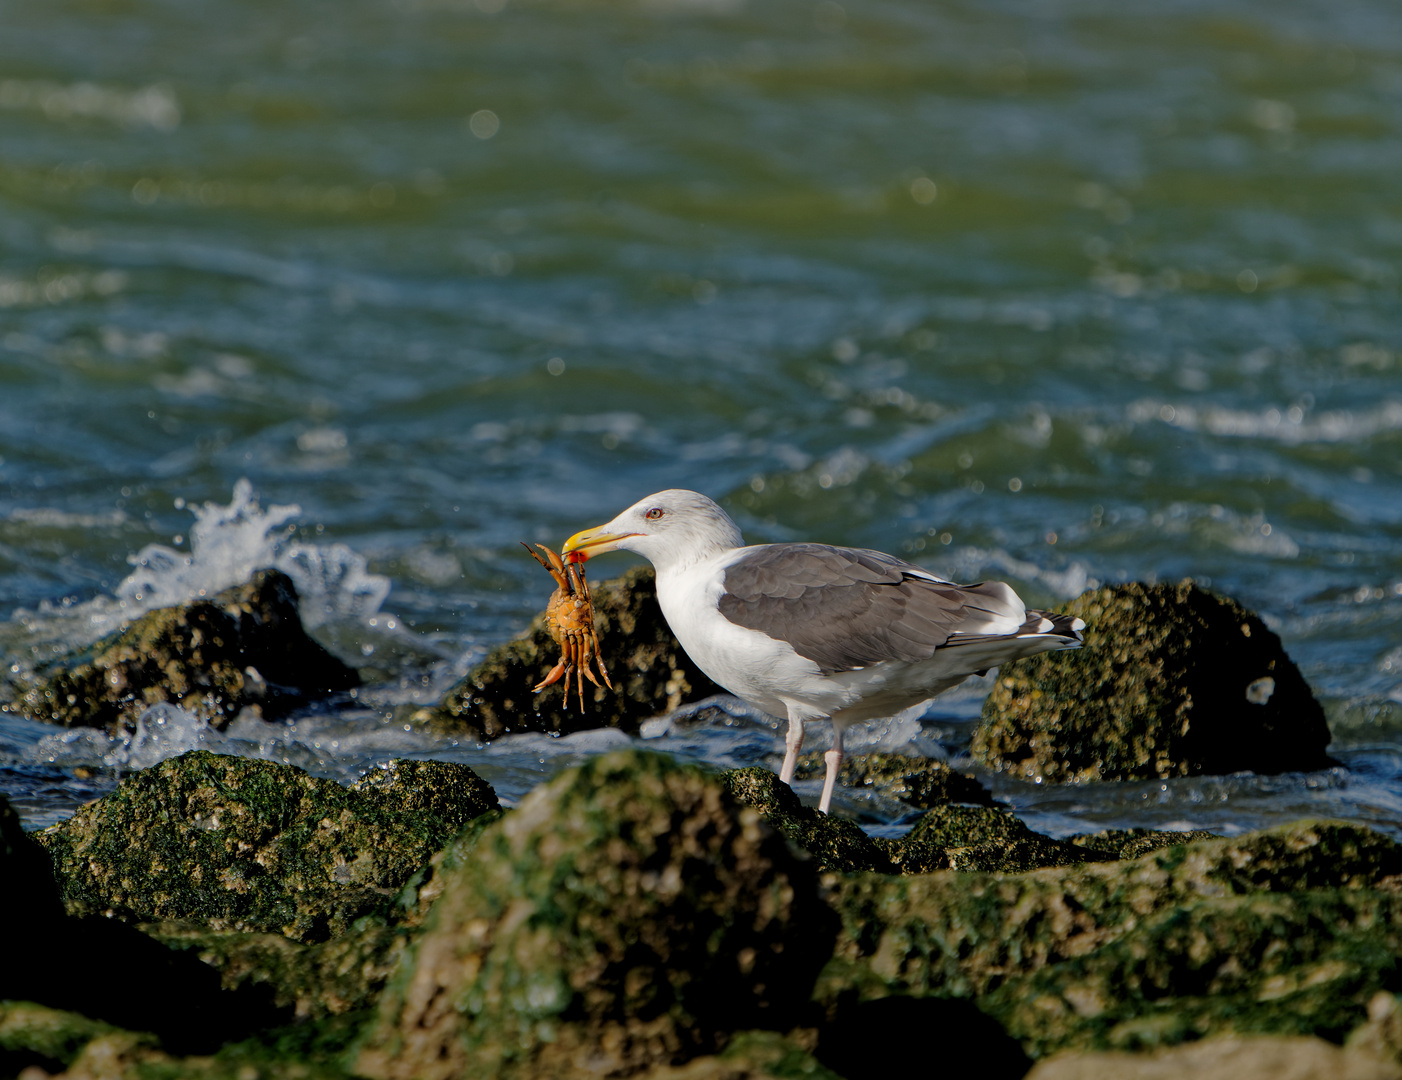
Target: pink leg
[
  {"x": 833, "y": 760},
  {"x": 793, "y": 742}
]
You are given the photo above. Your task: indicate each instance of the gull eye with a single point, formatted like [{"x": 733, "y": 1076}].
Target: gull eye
[{"x": 654, "y": 513}]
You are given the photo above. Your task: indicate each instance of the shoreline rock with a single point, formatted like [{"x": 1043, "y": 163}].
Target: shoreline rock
[
  {"x": 1171, "y": 681},
  {"x": 242, "y": 650}
]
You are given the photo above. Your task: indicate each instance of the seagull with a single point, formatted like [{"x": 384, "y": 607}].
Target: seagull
[{"x": 814, "y": 632}]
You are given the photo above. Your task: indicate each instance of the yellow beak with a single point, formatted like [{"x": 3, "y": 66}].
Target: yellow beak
[{"x": 590, "y": 542}]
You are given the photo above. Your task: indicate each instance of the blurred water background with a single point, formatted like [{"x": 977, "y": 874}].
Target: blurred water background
[{"x": 1056, "y": 291}]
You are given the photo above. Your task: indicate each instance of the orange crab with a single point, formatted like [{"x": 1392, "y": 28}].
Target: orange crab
[{"x": 570, "y": 617}]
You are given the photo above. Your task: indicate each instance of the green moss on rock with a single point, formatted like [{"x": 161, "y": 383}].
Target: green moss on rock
[
  {"x": 986, "y": 838},
  {"x": 835, "y": 843},
  {"x": 1172, "y": 681},
  {"x": 921, "y": 782},
  {"x": 965, "y": 933},
  {"x": 626, "y": 915},
  {"x": 1302, "y": 964},
  {"x": 253, "y": 845},
  {"x": 1132, "y": 843},
  {"x": 651, "y": 673},
  {"x": 244, "y": 648}
]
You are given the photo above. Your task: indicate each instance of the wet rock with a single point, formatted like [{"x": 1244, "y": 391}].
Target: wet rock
[
  {"x": 1172, "y": 681},
  {"x": 626, "y": 915},
  {"x": 1299, "y": 964},
  {"x": 986, "y": 838},
  {"x": 650, "y": 672},
  {"x": 921, "y": 782},
  {"x": 1227, "y": 1058},
  {"x": 835, "y": 843},
  {"x": 257, "y": 846},
  {"x": 442, "y": 790},
  {"x": 963, "y": 934},
  {"x": 244, "y": 648}
]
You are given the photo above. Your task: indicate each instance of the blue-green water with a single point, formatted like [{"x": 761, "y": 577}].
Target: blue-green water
[{"x": 1058, "y": 292}]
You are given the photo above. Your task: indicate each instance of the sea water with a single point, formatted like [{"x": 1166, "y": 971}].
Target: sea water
[{"x": 1057, "y": 293}]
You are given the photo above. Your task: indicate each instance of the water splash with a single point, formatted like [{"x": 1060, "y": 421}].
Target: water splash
[{"x": 228, "y": 543}]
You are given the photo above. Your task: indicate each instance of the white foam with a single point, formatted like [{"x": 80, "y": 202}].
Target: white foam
[
  {"x": 162, "y": 731},
  {"x": 228, "y": 543}
]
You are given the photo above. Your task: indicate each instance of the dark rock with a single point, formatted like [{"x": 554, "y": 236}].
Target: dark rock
[
  {"x": 253, "y": 845},
  {"x": 301, "y": 981},
  {"x": 626, "y": 915},
  {"x": 921, "y": 782},
  {"x": 242, "y": 649},
  {"x": 835, "y": 843},
  {"x": 1301, "y": 964},
  {"x": 650, "y": 672},
  {"x": 751, "y": 1055},
  {"x": 1172, "y": 681},
  {"x": 963, "y": 934},
  {"x": 906, "y": 1036}
]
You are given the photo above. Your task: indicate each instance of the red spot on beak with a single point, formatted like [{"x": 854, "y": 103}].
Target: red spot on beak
[{"x": 577, "y": 556}]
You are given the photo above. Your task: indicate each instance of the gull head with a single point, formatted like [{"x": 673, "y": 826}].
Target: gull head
[{"x": 673, "y": 528}]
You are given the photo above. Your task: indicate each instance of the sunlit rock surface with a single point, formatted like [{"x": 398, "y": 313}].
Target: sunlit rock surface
[
  {"x": 243, "y": 649},
  {"x": 1227, "y": 1058},
  {"x": 1172, "y": 681},
  {"x": 628, "y": 914},
  {"x": 965, "y": 933},
  {"x": 651, "y": 673},
  {"x": 252, "y": 845}
]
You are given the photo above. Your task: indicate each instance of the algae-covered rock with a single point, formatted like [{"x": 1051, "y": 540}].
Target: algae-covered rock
[
  {"x": 986, "y": 838},
  {"x": 626, "y": 915},
  {"x": 253, "y": 845},
  {"x": 835, "y": 843},
  {"x": 244, "y": 648},
  {"x": 1132, "y": 843},
  {"x": 299, "y": 980},
  {"x": 48, "y": 1041},
  {"x": 1172, "y": 681},
  {"x": 921, "y": 782},
  {"x": 965, "y": 933},
  {"x": 651, "y": 673},
  {"x": 1257, "y": 1057},
  {"x": 1301, "y": 964}
]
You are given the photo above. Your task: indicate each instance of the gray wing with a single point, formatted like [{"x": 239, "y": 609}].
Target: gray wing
[{"x": 848, "y": 608}]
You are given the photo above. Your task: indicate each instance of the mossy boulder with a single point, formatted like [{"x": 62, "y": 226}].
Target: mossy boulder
[
  {"x": 965, "y": 933},
  {"x": 242, "y": 649},
  {"x": 651, "y": 673},
  {"x": 626, "y": 915},
  {"x": 986, "y": 838},
  {"x": 1172, "y": 681},
  {"x": 834, "y": 843},
  {"x": 920, "y": 782},
  {"x": 249, "y": 845},
  {"x": 1297, "y": 964}
]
